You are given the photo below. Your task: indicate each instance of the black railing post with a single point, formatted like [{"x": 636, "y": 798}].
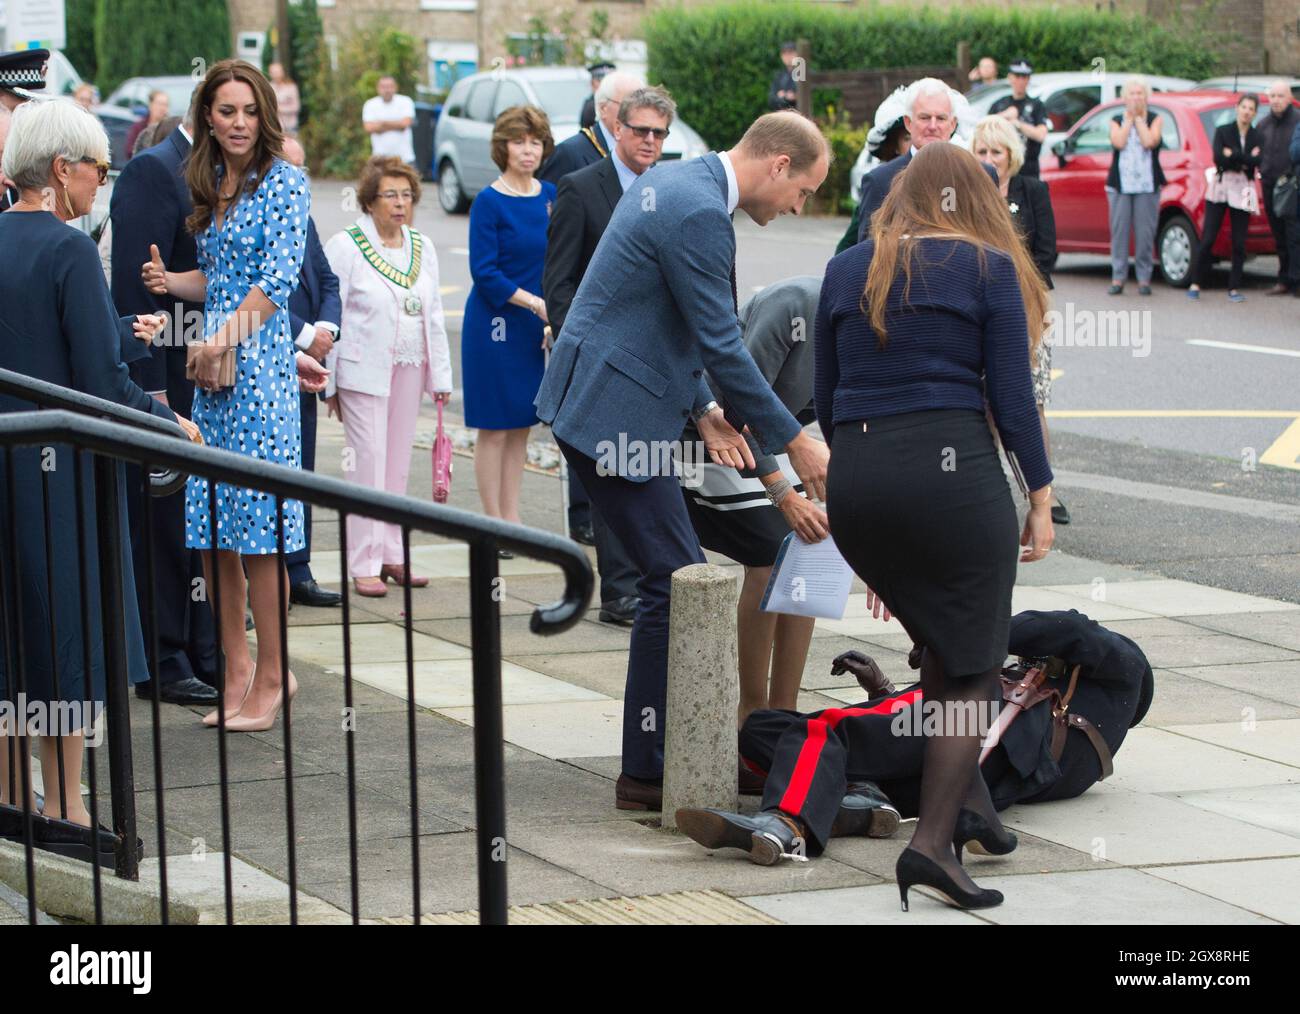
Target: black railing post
[
  {"x": 121, "y": 772},
  {"x": 489, "y": 731}
]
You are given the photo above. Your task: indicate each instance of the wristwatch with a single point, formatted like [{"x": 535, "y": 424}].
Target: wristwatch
[{"x": 697, "y": 416}]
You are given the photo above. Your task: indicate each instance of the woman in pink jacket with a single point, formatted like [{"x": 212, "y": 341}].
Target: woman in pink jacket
[{"x": 392, "y": 348}]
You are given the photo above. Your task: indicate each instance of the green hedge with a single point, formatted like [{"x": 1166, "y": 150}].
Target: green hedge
[
  {"x": 718, "y": 61},
  {"x": 154, "y": 38}
]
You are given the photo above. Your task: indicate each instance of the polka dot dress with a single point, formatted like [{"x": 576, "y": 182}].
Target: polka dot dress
[{"x": 261, "y": 243}]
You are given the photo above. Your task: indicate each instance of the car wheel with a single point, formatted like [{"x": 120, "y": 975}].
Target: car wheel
[
  {"x": 450, "y": 193},
  {"x": 1176, "y": 247}
]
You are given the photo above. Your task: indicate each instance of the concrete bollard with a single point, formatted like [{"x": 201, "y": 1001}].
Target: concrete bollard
[{"x": 700, "y": 753}]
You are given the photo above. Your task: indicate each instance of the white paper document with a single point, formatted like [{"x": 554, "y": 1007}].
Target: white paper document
[{"x": 809, "y": 580}]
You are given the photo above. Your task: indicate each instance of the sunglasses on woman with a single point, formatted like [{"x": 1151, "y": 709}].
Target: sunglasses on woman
[{"x": 102, "y": 167}]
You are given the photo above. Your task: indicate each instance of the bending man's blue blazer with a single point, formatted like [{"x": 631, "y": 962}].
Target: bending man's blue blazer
[{"x": 654, "y": 311}]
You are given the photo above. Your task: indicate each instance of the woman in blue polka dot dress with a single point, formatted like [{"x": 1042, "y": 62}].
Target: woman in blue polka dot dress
[{"x": 250, "y": 225}]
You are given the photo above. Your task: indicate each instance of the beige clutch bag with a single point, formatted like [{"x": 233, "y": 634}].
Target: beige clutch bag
[{"x": 225, "y": 376}]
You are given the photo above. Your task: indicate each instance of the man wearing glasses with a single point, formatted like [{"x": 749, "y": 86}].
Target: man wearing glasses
[{"x": 584, "y": 202}]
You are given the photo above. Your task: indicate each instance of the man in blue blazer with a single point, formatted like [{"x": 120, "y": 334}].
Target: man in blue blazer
[
  {"x": 655, "y": 309},
  {"x": 314, "y": 315},
  {"x": 149, "y": 205},
  {"x": 932, "y": 109}
]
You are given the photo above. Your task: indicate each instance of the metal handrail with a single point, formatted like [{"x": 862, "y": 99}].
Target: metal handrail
[{"x": 55, "y": 425}]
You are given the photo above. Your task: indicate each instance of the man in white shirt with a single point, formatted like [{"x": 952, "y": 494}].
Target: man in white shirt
[{"x": 387, "y": 118}]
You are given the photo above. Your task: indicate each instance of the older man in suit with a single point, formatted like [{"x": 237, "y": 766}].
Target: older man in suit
[
  {"x": 591, "y": 144},
  {"x": 583, "y": 205},
  {"x": 314, "y": 315},
  {"x": 656, "y": 307},
  {"x": 149, "y": 206},
  {"x": 931, "y": 115}
]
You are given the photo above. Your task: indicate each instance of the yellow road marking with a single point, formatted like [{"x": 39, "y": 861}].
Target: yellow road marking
[
  {"x": 445, "y": 289},
  {"x": 1285, "y": 450}
]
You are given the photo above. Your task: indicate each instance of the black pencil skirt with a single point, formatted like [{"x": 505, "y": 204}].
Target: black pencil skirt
[{"x": 921, "y": 510}]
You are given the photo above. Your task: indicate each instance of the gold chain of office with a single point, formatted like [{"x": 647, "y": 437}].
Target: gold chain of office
[{"x": 406, "y": 279}]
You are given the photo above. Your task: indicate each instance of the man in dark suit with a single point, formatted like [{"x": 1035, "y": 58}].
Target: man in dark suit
[
  {"x": 314, "y": 314},
  {"x": 583, "y": 205},
  {"x": 587, "y": 118},
  {"x": 149, "y": 206},
  {"x": 931, "y": 115},
  {"x": 590, "y": 145},
  {"x": 652, "y": 313}
]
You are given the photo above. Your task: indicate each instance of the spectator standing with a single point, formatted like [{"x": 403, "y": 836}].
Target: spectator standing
[
  {"x": 983, "y": 75},
  {"x": 314, "y": 314},
  {"x": 287, "y": 99},
  {"x": 250, "y": 227},
  {"x": 1028, "y": 115},
  {"x": 60, "y": 327},
  {"x": 85, "y": 96},
  {"x": 1133, "y": 187},
  {"x": 1275, "y": 133},
  {"x": 997, "y": 143},
  {"x": 944, "y": 294},
  {"x": 387, "y": 118},
  {"x": 156, "y": 113},
  {"x": 584, "y": 202},
  {"x": 393, "y": 350},
  {"x": 149, "y": 207},
  {"x": 502, "y": 357},
  {"x": 587, "y": 118},
  {"x": 784, "y": 93},
  {"x": 1231, "y": 192}
]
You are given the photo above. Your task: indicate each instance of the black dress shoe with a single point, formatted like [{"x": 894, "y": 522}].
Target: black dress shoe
[
  {"x": 1060, "y": 516},
  {"x": 309, "y": 593},
  {"x": 914, "y": 869},
  {"x": 64, "y": 838},
  {"x": 620, "y": 611},
  {"x": 975, "y": 833},
  {"x": 766, "y": 836},
  {"x": 186, "y": 691},
  {"x": 637, "y": 794},
  {"x": 583, "y": 533},
  {"x": 866, "y": 811}
]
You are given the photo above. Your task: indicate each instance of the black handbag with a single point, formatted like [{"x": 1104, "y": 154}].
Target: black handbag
[{"x": 1285, "y": 192}]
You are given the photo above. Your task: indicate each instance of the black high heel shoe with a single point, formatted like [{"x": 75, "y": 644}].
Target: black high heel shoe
[
  {"x": 914, "y": 869},
  {"x": 974, "y": 832}
]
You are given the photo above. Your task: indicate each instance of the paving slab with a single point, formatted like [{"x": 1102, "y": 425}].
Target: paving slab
[
  {"x": 1164, "y": 597},
  {"x": 817, "y": 670},
  {"x": 1276, "y": 807},
  {"x": 1080, "y": 597},
  {"x": 859, "y": 906},
  {"x": 571, "y": 729},
  {"x": 449, "y": 683},
  {"x": 1268, "y": 627},
  {"x": 1184, "y": 651},
  {"x": 258, "y": 896},
  {"x": 1100, "y": 897},
  {"x": 1162, "y": 760},
  {"x": 1185, "y": 699},
  {"x": 1279, "y": 680},
  {"x": 1139, "y": 829},
  {"x": 1059, "y": 568},
  {"x": 1276, "y": 740},
  {"x": 604, "y": 672},
  {"x": 634, "y": 859},
  {"x": 437, "y": 560},
  {"x": 370, "y": 642},
  {"x": 517, "y": 639},
  {"x": 1269, "y": 887}
]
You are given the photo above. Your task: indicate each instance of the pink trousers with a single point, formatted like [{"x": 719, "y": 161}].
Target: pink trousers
[{"x": 379, "y": 433}]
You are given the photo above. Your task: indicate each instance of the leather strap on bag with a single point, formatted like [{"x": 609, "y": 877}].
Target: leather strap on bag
[{"x": 1027, "y": 688}]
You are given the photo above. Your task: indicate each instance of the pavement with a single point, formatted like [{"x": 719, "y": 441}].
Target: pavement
[{"x": 1175, "y": 543}]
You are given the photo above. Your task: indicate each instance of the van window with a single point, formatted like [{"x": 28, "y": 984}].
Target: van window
[
  {"x": 509, "y": 94},
  {"x": 479, "y": 106},
  {"x": 456, "y": 100}
]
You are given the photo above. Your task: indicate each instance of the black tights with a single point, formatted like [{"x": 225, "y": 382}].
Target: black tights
[{"x": 950, "y": 777}]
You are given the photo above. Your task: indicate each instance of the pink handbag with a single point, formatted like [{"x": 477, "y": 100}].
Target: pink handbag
[{"x": 441, "y": 462}]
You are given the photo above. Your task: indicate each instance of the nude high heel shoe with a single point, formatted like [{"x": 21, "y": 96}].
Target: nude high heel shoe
[
  {"x": 261, "y": 723},
  {"x": 211, "y": 720}
]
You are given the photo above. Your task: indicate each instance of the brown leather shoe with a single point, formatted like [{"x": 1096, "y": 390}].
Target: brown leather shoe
[
  {"x": 865, "y": 671},
  {"x": 1277, "y": 290},
  {"x": 634, "y": 794}
]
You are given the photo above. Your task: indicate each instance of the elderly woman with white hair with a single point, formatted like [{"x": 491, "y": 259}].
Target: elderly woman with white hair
[
  {"x": 998, "y": 144},
  {"x": 59, "y": 325},
  {"x": 1133, "y": 187}
]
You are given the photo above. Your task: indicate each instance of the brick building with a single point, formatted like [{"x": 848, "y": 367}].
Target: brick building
[{"x": 460, "y": 35}]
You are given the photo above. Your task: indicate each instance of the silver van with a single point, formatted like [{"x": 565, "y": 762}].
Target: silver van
[{"x": 462, "y": 141}]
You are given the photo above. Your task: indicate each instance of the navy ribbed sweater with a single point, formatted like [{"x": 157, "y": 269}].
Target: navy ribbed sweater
[{"x": 960, "y": 332}]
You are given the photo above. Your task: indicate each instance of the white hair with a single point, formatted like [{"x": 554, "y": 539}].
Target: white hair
[
  {"x": 1141, "y": 82},
  {"x": 925, "y": 87},
  {"x": 45, "y": 130},
  {"x": 616, "y": 83}
]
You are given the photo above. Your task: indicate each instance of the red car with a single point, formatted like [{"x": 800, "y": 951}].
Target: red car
[{"x": 1077, "y": 178}]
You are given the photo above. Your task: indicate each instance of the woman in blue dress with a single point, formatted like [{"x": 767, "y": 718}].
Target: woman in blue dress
[
  {"x": 250, "y": 223},
  {"x": 502, "y": 357}
]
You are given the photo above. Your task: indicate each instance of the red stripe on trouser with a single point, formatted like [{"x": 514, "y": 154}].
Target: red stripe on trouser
[{"x": 805, "y": 766}]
